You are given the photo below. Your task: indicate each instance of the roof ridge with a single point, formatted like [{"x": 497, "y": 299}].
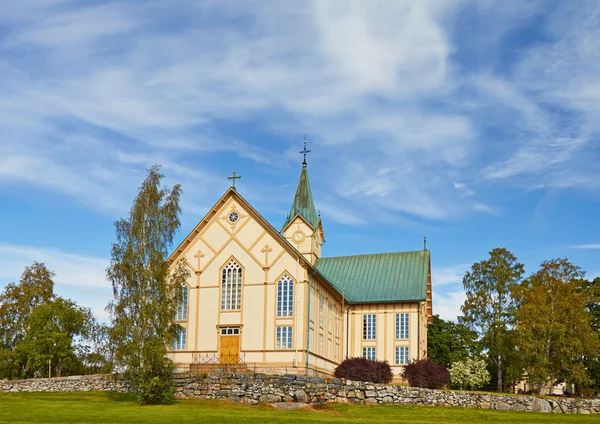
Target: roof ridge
[{"x": 374, "y": 254}]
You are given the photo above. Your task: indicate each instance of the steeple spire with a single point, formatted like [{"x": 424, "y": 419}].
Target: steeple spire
[{"x": 303, "y": 204}]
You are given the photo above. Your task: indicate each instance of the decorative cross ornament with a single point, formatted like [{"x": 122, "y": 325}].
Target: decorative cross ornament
[
  {"x": 266, "y": 251},
  {"x": 233, "y": 178},
  {"x": 199, "y": 255},
  {"x": 304, "y": 151}
]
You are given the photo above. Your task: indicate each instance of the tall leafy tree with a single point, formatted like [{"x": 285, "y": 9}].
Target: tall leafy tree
[
  {"x": 52, "y": 331},
  {"x": 17, "y": 302},
  {"x": 489, "y": 305},
  {"x": 144, "y": 301},
  {"x": 449, "y": 342},
  {"x": 592, "y": 363},
  {"x": 593, "y": 306},
  {"x": 554, "y": 330}
]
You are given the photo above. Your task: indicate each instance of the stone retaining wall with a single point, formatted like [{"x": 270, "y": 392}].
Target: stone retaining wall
[{"x": 252, "y": 389}]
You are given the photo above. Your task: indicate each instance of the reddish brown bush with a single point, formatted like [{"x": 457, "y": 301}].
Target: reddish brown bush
[
  {"x": 425, "y": 373},
  {"x": 362, "y": 369}
]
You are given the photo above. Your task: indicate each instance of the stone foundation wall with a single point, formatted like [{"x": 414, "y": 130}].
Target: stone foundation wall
[{"x": 255, "y": 388}]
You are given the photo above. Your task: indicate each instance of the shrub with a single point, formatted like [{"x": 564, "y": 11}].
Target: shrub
[
  {"x": 362, "y": 369},
  {"x": 153, "y": 383},
  {"x": 425, "y": 373},
  {"x": 469, "y": 374}
]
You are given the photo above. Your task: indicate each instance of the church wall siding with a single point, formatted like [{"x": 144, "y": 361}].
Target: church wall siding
[{"x": 385, "y": 343}]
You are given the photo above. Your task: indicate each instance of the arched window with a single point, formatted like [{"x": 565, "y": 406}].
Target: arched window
[
  {"x": 231, "y": 286},
  {"x": 285, "y": 296},
  {"x": 182, "y": 305}
]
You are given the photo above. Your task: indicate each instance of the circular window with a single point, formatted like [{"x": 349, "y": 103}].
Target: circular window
[{"x": 233, "y": 217}]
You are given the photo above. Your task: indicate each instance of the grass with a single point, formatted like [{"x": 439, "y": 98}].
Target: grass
[{"x": 101, "y": 407}]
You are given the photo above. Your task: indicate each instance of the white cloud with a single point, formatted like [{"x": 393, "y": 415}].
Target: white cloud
[
  {"x": 448, "y": 275},
  {"x": 447, "y": 305},
  {"x": 586, "y": 246},
  {"x": 80, "y": 278},
  {"x": 115, "y": 86}
]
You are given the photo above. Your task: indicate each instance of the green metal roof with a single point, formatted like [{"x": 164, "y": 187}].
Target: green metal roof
[
  {"x": 384, "y": 277},
  {"x": 303, "y": 204}
]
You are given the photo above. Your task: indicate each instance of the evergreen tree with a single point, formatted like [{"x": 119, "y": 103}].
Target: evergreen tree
[
  {"x": 489, "y": 305},
  {"x": 144, "y": 301}
]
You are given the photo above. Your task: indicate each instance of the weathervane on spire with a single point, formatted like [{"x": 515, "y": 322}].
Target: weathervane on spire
[{"x": 304, "y": 152}]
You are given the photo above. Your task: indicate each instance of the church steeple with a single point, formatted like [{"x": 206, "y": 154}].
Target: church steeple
[{"x": 303, "y": 204}]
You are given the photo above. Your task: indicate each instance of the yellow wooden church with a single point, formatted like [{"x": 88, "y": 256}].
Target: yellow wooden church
[{"x": 266, "y": 298}]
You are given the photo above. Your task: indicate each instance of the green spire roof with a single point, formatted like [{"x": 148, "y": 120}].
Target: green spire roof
[{"x": 303, "y": 204}]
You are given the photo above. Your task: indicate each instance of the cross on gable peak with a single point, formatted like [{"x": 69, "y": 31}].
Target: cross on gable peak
[{"x": 233, "y": 178}]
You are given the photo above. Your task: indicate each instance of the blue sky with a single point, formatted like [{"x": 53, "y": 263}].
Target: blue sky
[{"x": 475, "y": 123}]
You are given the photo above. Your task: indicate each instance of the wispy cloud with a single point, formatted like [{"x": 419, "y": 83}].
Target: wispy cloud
[
  {"x": 382, "y": 90},
  {"x": 77, "y": 275},
  {"x": 447, "y": 305},
  {"x": 586, "y": 246},
  {"x": 448, "y": 275}
]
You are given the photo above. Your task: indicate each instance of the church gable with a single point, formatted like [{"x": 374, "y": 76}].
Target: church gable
[{"x": 232, "y": 225}]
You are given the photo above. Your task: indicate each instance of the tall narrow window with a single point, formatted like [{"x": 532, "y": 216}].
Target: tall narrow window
[
  {"x": 330, "y": 318},
  {"x": 369, "y": 326},
  {"x": 284, "y": 337},
  {"x": 401, "y": 355},
  {"x": 369, "y": 353},
  {"x": 402, "y": 326},
  {"x": 321, "y": 310},
  {"x": 182, "y": 306},
  {"x": 285, "y": 297},
  {"x": 231, "y": 286},
  {"x": 180, "y": 339}
]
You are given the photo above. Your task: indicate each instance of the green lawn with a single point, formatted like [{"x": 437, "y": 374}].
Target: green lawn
[{"x": 98, "y": 407}]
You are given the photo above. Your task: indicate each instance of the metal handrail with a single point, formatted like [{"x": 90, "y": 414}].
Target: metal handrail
[{"x": 216, "y": 358}]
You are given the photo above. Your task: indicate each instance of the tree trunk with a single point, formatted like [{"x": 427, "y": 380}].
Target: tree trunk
[{"x": 500, "y": 386}]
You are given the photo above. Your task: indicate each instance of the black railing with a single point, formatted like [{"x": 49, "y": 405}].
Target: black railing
[{"x": 216, "y": 358}]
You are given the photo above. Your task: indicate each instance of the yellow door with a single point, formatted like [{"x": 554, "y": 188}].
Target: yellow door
[{"x": 229, "y": 349}]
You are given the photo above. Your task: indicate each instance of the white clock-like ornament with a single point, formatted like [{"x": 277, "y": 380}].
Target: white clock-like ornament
[{"x": 298, "y": 237}]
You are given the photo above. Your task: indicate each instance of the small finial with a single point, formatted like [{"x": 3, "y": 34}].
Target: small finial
[
  {"x": 319, "y": 213},
  {"x": 424, "y": 243},
  {"x": 304, "y": 151},
  {"x": 233, "y": 178}
]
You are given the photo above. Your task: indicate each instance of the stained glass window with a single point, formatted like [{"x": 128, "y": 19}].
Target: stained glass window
[
  {"x": 182, "y": 306},
  {"x": 285, "y": 297},
  {"x": 231, "y": 286}
]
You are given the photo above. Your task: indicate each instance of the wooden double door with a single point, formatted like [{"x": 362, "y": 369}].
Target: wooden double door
[{"x": 229, "y": 345}]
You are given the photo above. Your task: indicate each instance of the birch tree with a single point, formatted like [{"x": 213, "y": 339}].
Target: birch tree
[
  {"x": 489, "y": 305},
  {"x": 144, "y": 301},
  {"x": 554, "y": 331}
]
